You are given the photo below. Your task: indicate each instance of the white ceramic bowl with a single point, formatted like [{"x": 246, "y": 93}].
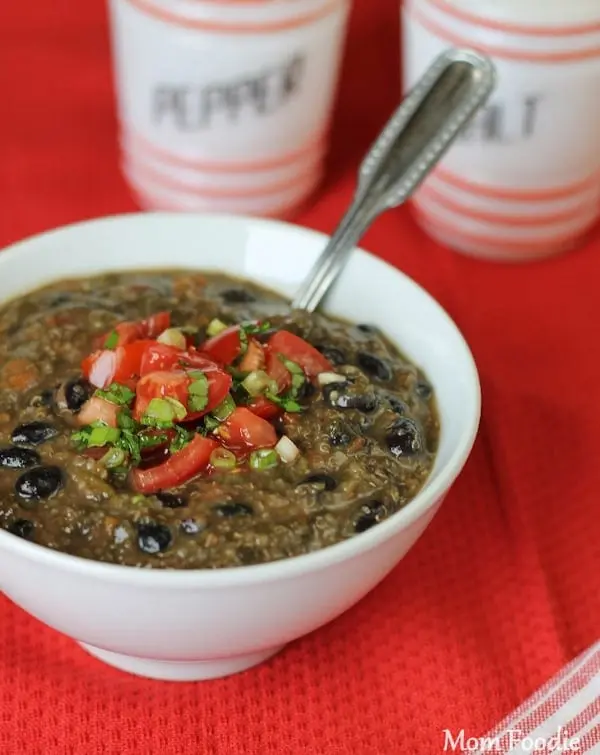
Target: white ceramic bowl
[{"x": 191, "y": 625}]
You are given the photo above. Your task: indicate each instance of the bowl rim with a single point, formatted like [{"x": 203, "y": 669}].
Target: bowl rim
[{"x": 286, "y": 568}]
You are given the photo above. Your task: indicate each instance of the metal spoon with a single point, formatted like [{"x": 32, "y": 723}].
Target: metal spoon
[{"x": 415, "y": 139}]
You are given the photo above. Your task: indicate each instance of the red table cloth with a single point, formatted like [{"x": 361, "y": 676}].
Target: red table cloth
[{"x": 501, "y": 591}]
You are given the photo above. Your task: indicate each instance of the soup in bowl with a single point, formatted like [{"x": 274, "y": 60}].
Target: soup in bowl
[{"x": 191, "y": 474}]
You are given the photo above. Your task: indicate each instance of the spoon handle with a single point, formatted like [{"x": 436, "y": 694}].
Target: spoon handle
[{"x": 417, "y": 136}]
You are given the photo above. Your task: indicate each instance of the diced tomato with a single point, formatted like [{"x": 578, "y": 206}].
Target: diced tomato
[
  {"x": 98, "y": 410},
  {"x": 119, "y": 366},
  {"x": 173, "y": 384},
  {"x": 158, "y": 357},
  {"x": 225, "y": 346},
  {"x": 254, "y": 358},
  {"x": 244, "y": 431},
  {"x": 300, "y": 351},
  {"x": 128, "y": 332},
  {"x": 179, "y": 468},
  {"x": 277, "y": 370},
  {"x": 264, "y": 408},
  {"x": 156, "y": 323}
]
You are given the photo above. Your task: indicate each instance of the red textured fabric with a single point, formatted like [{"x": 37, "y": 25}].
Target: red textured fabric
[{"x": 503, "y": 589}]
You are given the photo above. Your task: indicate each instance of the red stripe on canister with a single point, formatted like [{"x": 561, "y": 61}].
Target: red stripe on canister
[
  {"x": 316, "y": 143},
  {"x": 581, "y": 211},
  {"x": 556, "y": 30},
  {"x": 526, "y": 195},
  {"x": 530, "y": 56},
  {"x": 236, "y": 27}
]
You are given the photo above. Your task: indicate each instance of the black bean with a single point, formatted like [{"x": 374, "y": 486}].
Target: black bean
[
  {"x": 233, "y": 509},
  {"x": 336, "y": 395},
  {"x": 423, "y": 390},
  {"x": 369, "y": 515},
  {"x": 404, "y": 438},
  {"x": 22, "y": 528},
  {"x": 153, "y": 537},
  {"x": 192, "y": 527},
  {"x": 39, "y": 483},
  {"x": 397, "y": 404},
  {"x": 18, "y": 458},
  {"x": 171, "y": 501},
  {"x": 325, "y": 481},
  {"x": 34, "y": 433},
  {"x": 237, "y": 296},
  {"x": 333, "y": 354},
  {"x": 370, "y": 329},
  {"x": 374, "y": 366},
  {"x": 77, "y": 392}
]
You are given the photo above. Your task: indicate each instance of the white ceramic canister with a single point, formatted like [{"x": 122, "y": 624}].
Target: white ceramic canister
[
  {"x": 225, "y": 105},
  {"x": 523, "y": 181}
]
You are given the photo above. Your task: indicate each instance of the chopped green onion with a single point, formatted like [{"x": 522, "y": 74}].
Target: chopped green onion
[
  {"x": 116, "y": 457},
  {"x": 117, "y": 394},
  {"x": 293, "y": 367},
  {"x": 178, "y": 408},
  {"x": 215, "y": 327},
  {"x": 162, "y": 412},
  {"x": 138, "y": 500},
  {"x": 256, "y": 382},
  {"x": 173, "y": 337},
  {"x": 297, "y": 373},
  {"x": 103, "y": 436},
  {"x": 198, "y": 391},
  {"x": 221, "y": 458},
  {"x": 263, "y": 458},
  {"x": 224, "y": 409},
  {"x": 111, "y": 340}
]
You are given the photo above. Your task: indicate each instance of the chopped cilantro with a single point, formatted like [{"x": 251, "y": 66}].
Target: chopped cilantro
[
  {"x": 117, "y": 394},
  {"x": 182, "y": 438},
  {"x": 251, "y": 329},
  {"x": 198, "y": 391},
  {"x": 287, "y": 403}
]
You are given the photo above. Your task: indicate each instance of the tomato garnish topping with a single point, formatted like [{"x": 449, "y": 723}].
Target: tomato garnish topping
[
  {"x": 298, "y": 350},
  {"x": 245, "y": 431},
  {"x": 180, "y": 467},
  {"x": 264, "y": 408},
  {"x": 153, "y": 397},
  {"x": 225, "y": 347}
]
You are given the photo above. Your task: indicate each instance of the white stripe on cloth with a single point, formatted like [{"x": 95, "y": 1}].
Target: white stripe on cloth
[{"x": 562, "y": 717}]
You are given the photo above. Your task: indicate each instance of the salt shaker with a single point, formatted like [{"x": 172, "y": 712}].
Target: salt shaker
[{"x": 523, "y": 180}]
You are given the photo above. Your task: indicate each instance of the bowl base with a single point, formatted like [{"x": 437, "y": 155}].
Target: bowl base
[{"x": 180, "y": 671}]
